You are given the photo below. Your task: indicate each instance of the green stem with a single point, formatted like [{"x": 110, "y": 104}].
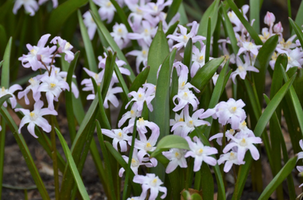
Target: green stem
[{"x": 54, "y": 158}]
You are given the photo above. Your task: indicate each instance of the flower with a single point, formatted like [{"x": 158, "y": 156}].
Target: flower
[
  {"x": 10, "y": 91},
  {"x": 144, "y": 94},
  {"x": 269, "y": 19},
  {"x": 243, "y": 68},
  {"x": 200, "y": 153},
  {"x": 230, "y": 158},
  {"x": 120, "y": 35},
  {"x": 34, "y": 85},
  {"x": 107, "y": 10},
  {"x": 35, "y": 118},
  {"x": 90, "y": 24},
  {"x": 64, "y": 47},
  {"x": 243, "y": 143},
  {"x": 176, "y": 158},
  {"x": 119, "y": 136},
  {"x": 30, "y": 6},
  {"x": 152, "y": 182},
  {"x": 55, "y": 3}
]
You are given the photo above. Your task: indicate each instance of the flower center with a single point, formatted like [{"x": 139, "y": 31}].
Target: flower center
[
  {"x": 52, "y": 85},
  {"x": 185, "y": 38},
  {"x": 67, "y": 46},
  {"x": 233, "y": 109},
  {"x": 243, "y": 142},
  {"x": 146, "y": 32},
  {"x": 190, "y": 123},
  {"x": 199, "y": 151},
  {"x": 178, "y": 155},
  {"x": 185, "y": 95},
  {"x": 154, "y": 182},
  {"x": 135, "y": 163},
  {"x": 108, "y": 4},
  {"x": 148, "y": 146},
  {"x": 232, "y": 156},
  {"x": 201, "y": 58},
  {"x": 140, "y": 97},
  {"x": 32, "y": 116},
  {"x": 120, "y": 135},
  {"x": 33, "y": 52}
]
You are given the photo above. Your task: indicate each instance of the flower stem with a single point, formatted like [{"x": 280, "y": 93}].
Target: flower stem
[{"x": 54, "y": 157}]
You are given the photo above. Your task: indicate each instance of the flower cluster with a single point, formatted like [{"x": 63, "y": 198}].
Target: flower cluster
[{"x": 31, "y": 6}]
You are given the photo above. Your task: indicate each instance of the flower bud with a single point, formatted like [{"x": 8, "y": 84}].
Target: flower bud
[
  {"x": 278, "y": 28},
  {"x": 269, "y": 18}
]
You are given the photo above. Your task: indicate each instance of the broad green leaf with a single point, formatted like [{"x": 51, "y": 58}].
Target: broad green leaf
[
  {"x": 183, "y": 16},
  {"x": 279, "y": 178},
  {"x": 61, "y": 13},
  {"x": 168, "y": 142},
  {"x": 6, "y": 65},
  {"x": 262, "y": 61},
  {"x": 172, "y": 28},
  {"x": 25, "y": 152},
  {"x": 188, "y": 53},
  {"x": 260, "y": 126},
  {"x": 207, "y": 182},
  {"x": 173, "y": 10},
  {"x": 158, "y": 51},
  {"x": 90, "y": 54},
  {"x": 212, "y": 13},
  {"x": 140, "y": 80},
  {"x": 161, "y": 104},
  {"x": 204, "y": 74},
  {"x": 72, "y": 166},
  {"x": 254, "y": 35},
  {"x": 208, "y": 40},
  {"x": 69, "y": 98},
  {"x": 254, "y": 13},
  {"x": 297, "y": 30},
  {"x": 102, "y": 28}
]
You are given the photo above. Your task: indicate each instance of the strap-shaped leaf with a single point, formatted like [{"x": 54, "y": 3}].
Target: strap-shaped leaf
[
  {"x": 260, "y": 126},
  {"x": 61, "y": 13},
  {"x": 297, "y": 30},
  {"x": 212, "y": 13},
  {"x": 205, "y": 73},
  {"x": 254, "y": 13},
  {"x": 72, "y": 166},
  {"x": 279, "y": 178},
  {"x": 262, "y": 61},
  {"x": 158, "y": 51},
  {"x": 173, "y": 10},
  {"x": 6, "y": 65}
]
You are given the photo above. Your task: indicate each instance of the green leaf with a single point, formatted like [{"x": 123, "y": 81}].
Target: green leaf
[
  {"x": 61, "y": 14},
  {"x": 254, "y": 35},
  {"x": 212, "y": 13},
  {"x": 229, "y": 30},
  {"x": 6, "y": 65},
  {"x": 158, "y": 51},
  {"x": 183, "y": 16},
  {"x": 3, "y": 38},
  {"x": 262, "y": 61},
  {"x": 73, "y": 167},
  {"x": 254, "y": 13},
  {"x": 208, "y": 38},
  {"x": 168, "y": 142},
  {"x": 140, "y": 79},
  {"x": 260, "y": 126},
  {"x": 116, "y": 154},
  {"x": 69, "y": 98},
  {"x": 297, "y": 30},
  {"x": 173, "y": 10},
  {"x": 205, "y": 73},
  {"x": 90, "y": 54},
  {"x": 161, "y": 106},
  {"x": 299, "y": 17},
  {"x": 102, "y": 28},
  {"x": 25, "y": 153},
  {"x": 279, "y": 178},
  {"x": 188, "y": 53},
  {"x": 172, "y": 28}
]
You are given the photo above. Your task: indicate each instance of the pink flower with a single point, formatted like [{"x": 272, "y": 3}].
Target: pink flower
[
  {"x": 119, "y": 136},
  {"x": 152, "y": 182},
  {"x": 35, "y": 118},
  {"x": 64, "y": 47},
  {"x": 269, "y": 19},
  {"x": 201, "y": 153}
]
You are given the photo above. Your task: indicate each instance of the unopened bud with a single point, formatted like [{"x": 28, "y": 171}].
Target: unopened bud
[
  {"x": 278, "y": 28},
  {"x": 269, "y": 19},
  {"x": 38, "y": 57}
]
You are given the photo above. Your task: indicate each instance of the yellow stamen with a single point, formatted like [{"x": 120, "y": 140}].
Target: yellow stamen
[{"x": 52, "y": 85}]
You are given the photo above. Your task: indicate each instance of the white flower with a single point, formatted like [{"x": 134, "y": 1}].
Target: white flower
[
  {"x": 90, "y": 24},
  {"x": 119, "y": 136},
  {"x": 35, "y": 118},
  {"x": 230, "y": 158},
  {"x": 107, "y": 10},
  {"x": 201, "y": 153},
  {"x": 243, "y": 68},
  {"x": 30, "y": 6},
  {"x": 176, "y": 158},
  {"x": 10, "y": 91},
  {"x": 152, "y": 182}
]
